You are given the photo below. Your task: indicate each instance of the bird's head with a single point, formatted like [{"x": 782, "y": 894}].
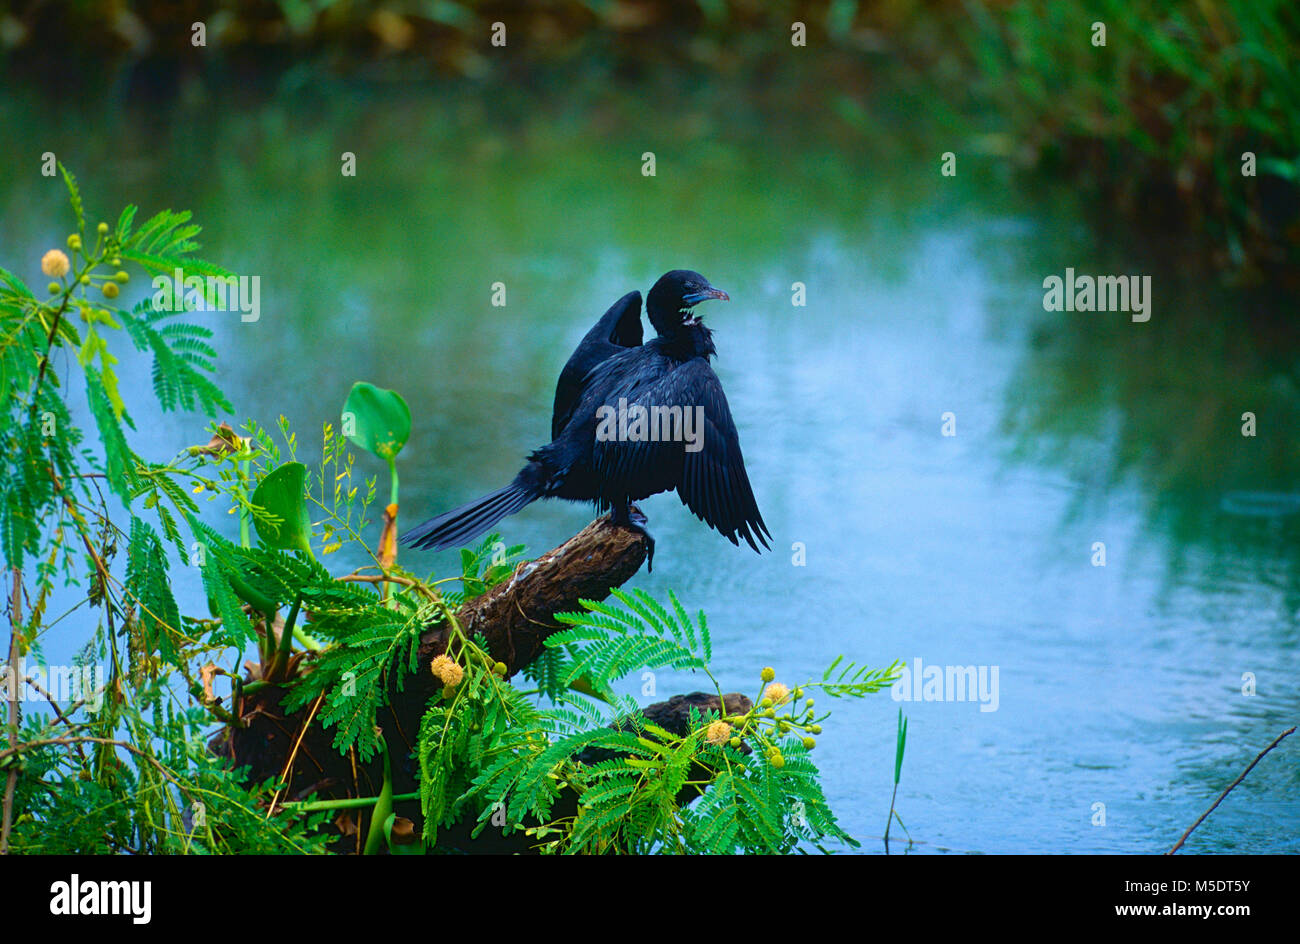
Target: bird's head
[{"x": 673, "y": 297}]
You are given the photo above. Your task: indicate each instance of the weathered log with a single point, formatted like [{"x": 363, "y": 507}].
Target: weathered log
[
  {"x": 517, "y": 615},
  {"x": 514, "y": 618}
]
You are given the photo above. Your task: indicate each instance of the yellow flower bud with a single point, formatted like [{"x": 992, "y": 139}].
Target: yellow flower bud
[
  {"x": 778, "y": 693},
  {"x": 55, "y": 263},
  {"x": 718, "y": 732},
  {"x": 447, "y": 671}
]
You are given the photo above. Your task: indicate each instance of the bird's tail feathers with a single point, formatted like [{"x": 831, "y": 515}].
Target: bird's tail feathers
[{"x": 457, "y": 527}]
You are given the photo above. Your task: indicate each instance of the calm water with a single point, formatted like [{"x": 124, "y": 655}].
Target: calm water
[{"x": 1118, "y": 685}]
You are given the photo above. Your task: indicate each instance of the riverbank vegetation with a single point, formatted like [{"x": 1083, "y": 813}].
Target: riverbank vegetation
[{"x": 1174, "y": 115}]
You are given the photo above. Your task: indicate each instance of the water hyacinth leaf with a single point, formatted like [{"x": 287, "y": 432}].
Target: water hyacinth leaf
[
  {"x": 376, "y": 420},
  {"x": 283, "y": 494}
]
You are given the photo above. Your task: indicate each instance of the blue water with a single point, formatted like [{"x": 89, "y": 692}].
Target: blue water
[{"x": 1120, "y": 688}]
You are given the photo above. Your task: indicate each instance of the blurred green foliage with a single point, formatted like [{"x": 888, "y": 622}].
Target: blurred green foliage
[
  {"x": 1160, "y": 119},
  {"x": 1155, "y": 122}
]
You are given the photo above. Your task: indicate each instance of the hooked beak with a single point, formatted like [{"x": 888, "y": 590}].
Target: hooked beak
[{"x": 705, "y": 294}]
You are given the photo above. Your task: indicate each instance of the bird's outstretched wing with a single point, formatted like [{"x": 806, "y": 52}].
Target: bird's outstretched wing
[
  {"x": 711, "y": 479},
  {"x": 618, "y": 328}
]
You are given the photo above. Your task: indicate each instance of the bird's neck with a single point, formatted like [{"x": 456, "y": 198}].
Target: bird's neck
[{"x": 687, "y": 341}]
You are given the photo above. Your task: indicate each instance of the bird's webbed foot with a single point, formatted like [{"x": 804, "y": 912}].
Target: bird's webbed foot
[{"x": 631, "y": 517}]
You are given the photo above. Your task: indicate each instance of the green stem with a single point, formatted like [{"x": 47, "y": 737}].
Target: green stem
[
  {"x": 351, "y": 803},
  {"x": 243, "y": 506},
  {"x": 307, "y": 642},
  {"x": 383, "y": 805},
  {"x": 257, "y": 600},
  {"x": 890, "y": 822},
  {"x": 281, "y": 664}
]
